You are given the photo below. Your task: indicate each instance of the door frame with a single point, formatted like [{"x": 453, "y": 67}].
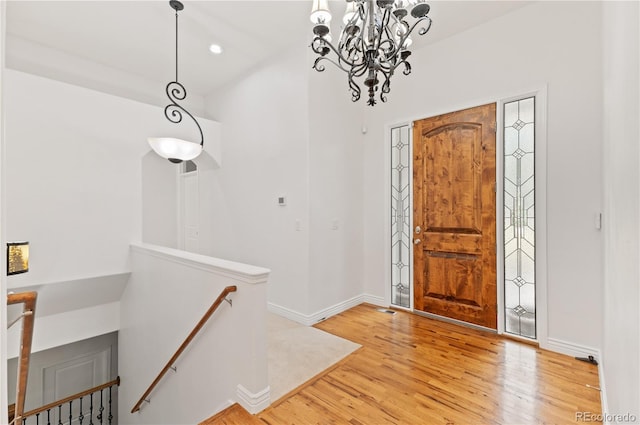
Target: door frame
[
  {"x": 180, "y": 216},
  {"x": 540, "y": 93}
]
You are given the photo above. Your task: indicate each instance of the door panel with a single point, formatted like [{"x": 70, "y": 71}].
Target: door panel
[{"x": 455, "y": 217}]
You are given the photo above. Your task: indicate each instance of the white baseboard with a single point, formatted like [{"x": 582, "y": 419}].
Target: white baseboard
[
  {"x": 253, "y": 403},
  {"x": 603, "y": 394},
  {"x": 325, "y": 313},
  {"x": 570, "y": 349},
  {"x": 375, "y": 300}
]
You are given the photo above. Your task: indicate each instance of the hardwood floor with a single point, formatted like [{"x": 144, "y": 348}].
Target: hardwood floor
[
  {"x": 233, "y": 415},
  {"x": 416, "y": 370}
]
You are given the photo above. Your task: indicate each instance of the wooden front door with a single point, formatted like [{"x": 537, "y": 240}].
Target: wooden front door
[{"x": 454, "y": 211}]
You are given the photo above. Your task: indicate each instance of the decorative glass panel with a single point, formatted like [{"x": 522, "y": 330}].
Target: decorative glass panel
[
  {"x": 519, "y": 218},
  {"x": 400, "y": 231}
]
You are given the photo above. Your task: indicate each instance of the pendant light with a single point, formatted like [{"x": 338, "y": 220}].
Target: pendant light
[{"x": 176, "y": 150}]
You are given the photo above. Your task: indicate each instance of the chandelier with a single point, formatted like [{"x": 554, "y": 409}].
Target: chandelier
[
  {"x": 176, "y": 150},
  {"x": 373, "y": 43}
]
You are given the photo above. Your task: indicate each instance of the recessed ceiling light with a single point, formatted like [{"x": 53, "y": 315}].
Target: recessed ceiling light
[{"x": 216, "y": 49}]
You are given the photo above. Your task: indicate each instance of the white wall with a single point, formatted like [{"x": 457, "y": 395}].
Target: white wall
[
  {"x": 74, "y": 176},
  {"x": 37, "y": 59},
  {"x": 265, "y": 128},
  {"x": 524, "y": 50},
  {"x": 73, "y": 190},
  {"x": 227, "y": 360},
  {"x": 335, "y": 190},
  {"x": 159, "y": 201},
  {"x": 621, "y": 351},
  {"x": 291, "y": 131}
]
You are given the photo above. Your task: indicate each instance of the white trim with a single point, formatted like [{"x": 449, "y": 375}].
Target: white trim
[
  {"x": 500, "y": 303},
  {"x": 570, "y": 348},
  {"x": 387, "y": 211},
  {"x": 540, "y": 174},
  {"x": 603, "y": 392},
  {"x": 253, "y": 402},
  {"x": 311, "y": 319},
  {"x": 387, "y": 204},
  {"x": 375, "y": 300},
  {"x": 542, "y": 319},
  {"x": 3, "y": 227},
  {"x": 237, "y": 271}
]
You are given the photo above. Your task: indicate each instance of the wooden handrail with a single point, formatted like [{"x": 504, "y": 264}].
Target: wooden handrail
[
  {"x": 226, "y": 291},
  {"x": 71, "y": 398},
  {"x": 28, "y": 315}
]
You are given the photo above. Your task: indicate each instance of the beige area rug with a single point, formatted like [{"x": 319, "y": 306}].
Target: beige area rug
[{"x": 296, "y": 353}]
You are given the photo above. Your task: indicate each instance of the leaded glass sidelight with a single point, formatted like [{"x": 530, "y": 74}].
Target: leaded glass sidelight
[
  {"x": 519, "y": 218},
  {"x": 400, "y": 230}
]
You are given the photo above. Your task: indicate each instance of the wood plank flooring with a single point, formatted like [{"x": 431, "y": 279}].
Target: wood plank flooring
[
  {"x": 233, "y": 415},
  {"x": 416, "y": 370}
]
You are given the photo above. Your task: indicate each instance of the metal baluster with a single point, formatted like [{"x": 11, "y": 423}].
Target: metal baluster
[
  {"x": 101, "y": 409},
  {"x": 70, "y": 413},
  {"x": 37, "y": 418},
  {"x": 81, "y": 417},
  {"x": 48, "y": 416},
  {"x": 91, "y": 411},
  {"x": 60, "y": 414},
  {"x": 110, "y": 417},
  {"x": 24, "y": 421}
]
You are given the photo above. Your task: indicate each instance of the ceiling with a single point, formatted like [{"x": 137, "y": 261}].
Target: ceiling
[{"x": 137, "y": 37}]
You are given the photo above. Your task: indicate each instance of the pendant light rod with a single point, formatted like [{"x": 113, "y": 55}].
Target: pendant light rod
[
  {"x": 177, "y": 6},
  {"x": 176, "y": 46}
]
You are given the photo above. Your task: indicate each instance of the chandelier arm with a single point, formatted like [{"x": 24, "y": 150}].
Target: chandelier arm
[
  {"x": 317, "y": 49},
  {"x": 421, "y": 31},
  {"x": 359, "y": 70},
  {"x": 355, "y": 88},
  {"x": 320, "y": 67},
  {"x": 393, "y": 49},
  {"x": 407, "y": 68},
  {"x": 173, "y": 111},
  {"x": 384, "y": 23},
  {"x": 386, "y": 87}
]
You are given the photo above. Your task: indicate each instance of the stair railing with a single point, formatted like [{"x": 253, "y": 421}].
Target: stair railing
[
  {"x": 170, "y": 364},
  {"x": 97, "y": 409},
  {"x": 28, "y": 316}
]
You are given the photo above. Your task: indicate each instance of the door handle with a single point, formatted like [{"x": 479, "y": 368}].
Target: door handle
[
  {"x": 418, "y": 230},
  {"x": 416, "y": 241}
]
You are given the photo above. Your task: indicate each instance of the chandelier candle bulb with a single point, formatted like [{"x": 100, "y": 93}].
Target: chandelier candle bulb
[{"x": 373, "y": 43}]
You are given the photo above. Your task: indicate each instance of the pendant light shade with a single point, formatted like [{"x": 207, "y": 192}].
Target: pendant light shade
[{"x": 176, "y": 150}]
